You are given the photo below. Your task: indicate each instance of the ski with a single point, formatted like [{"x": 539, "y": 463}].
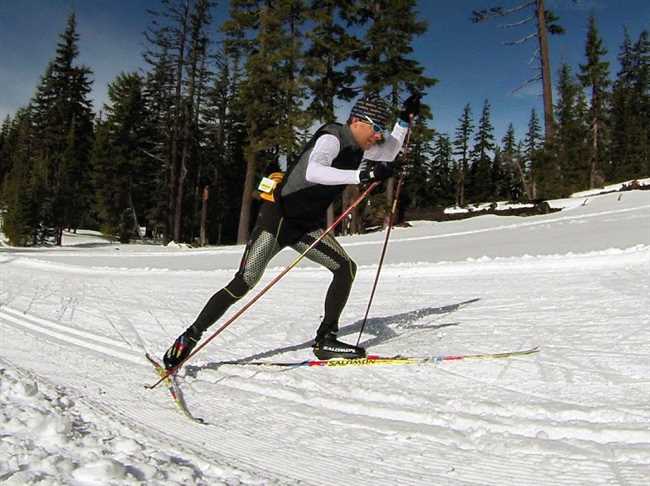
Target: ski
[
  {"x": 373, "y": 360},
  {"x": 174, "y": 390}
]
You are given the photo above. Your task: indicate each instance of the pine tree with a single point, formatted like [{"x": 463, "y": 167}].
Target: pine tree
[
  {"x": 499, "y": 185},
  {"x": 124, "y": 175},
  {"x": 15, "y": 189},
  {"x": 167, "y": 39},
  {"x": 462, "y": 150},
  {"x": 178, "y": 52},
  {"x": 641, "y": 164},
  {"x": 235, "y": 157},
  {"x": 5, "y": 149},
  {"x": 175, "y": 38},
  {"x": 594, "y": 76},
  {"x": 515, "y": 185},
  {"x": 274, "y": 115},
  {"x": 532, "y": 150},
  {"x": 62, "y": 117},
  {"x": 388, "y": 43},
  {"x": 328, "y": 70},
  {"x": 195, "y": 86},
  {"x": 480, "y": 183},
  {"x": 226, "y": 137},
  {"x": 545, "y": 23},
  {"x": 240, "y": 30},
  {"x": 630, "y": 111},
  {"x": 623, "y": 113},
  {"x": 441, "y": 180},
  {"x": 329, "y": 65},
  {"x": 548, "y": 181},
  {"x": 541, "y": 163},
  {"x": 216, "y": 126},
  {"x": 419, "y": 183},
  {"x": 25, "y": 190},
  {"x": 385, "y": 60},
  {"x": 570, "y": 143},
  {"x": 158, "y": 97},
  {"x": 105, "y": 176}
]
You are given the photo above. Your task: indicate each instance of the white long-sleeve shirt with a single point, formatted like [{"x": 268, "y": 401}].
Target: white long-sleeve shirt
[{"x": 327, "y": 147}]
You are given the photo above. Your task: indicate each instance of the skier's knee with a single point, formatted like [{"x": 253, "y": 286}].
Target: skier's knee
[
  {"x": 353, "y": 270},
  {"x": 346, "y": 272},
  {"x": 237, "y": 287}
]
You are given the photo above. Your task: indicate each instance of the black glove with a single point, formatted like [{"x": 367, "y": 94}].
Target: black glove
[
  {"x": 375, "y": 171},
  {"x": 411, "y": 107}
]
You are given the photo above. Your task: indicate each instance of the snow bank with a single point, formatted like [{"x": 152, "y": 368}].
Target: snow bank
[
  {"x": 499, "y": 205},
  {"x": 609, "y": 188},
  {"x": 575, "y": 200},
  {"x": 47, "y": 438},
  {"x": 173, "y": 244}
]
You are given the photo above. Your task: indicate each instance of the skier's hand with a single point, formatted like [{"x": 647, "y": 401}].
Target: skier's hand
[
  {"x": 411, "y": 107},
  {"x": 375, "y": 171}
]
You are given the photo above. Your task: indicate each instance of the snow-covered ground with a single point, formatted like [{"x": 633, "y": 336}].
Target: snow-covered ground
[
  {"x": 74, "y": 322},
  {"x": 581, "y": 197}
]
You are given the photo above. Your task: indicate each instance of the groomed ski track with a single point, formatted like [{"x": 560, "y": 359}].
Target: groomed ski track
[{"x": 576, "y": 413}]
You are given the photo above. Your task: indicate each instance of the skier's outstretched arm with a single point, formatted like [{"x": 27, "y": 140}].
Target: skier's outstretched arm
[
  {"x": 319, "y": 168},
  {"x": 390, "y": 147},
  {"x": 388, "y": 150}
]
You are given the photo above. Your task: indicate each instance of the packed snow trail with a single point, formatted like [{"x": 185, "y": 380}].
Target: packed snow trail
[
  {"x": 576, "y": 413},
  {"x": 612, "y": 223}
]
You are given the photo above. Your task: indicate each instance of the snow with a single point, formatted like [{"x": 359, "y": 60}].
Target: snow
[
  {"x": 48, "y": 438},
  {"x": 499, "y": 205},
  {"x": 575, "y": 199},
  {"x": 74, "y": 322},
  {"x": 609, "y": 188}
]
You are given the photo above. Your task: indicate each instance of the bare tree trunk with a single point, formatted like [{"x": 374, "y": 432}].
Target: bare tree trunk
[
  {"x": 180, "y": 184},
  {"x": 352, "y": 224},
  {"x": 246, "y": 202},
  {"x": 136, "y": 223},
  {"x": 204, "y": 216},
  {"x": 190, "y": 113},
  {"x": 460, "y": 186},
  {"x": 594, "y": 156},
  {"x": 180, "y": 65},
  {"x": 330, "y": 215},
  {"x": 546, "y": 70},
  {"x": 346, "y": 226},
  {"x": 390, "y": 191},
  {"x": 355, "y": 221},
  {"x": 330, "y": 118},
  {"x": 522, "y": 178}
]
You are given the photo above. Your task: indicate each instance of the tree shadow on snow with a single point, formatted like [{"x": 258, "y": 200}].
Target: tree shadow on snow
[{"x": 382, "y": 329}]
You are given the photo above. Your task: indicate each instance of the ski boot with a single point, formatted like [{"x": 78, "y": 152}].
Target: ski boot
[
  {"x": 328, "y": 347},
  {"x": 181, "y": 348}
]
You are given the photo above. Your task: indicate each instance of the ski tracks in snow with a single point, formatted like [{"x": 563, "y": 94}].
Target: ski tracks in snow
[
  {"x": 522, "y": 420},
  {"x": 576, "y": 413}
]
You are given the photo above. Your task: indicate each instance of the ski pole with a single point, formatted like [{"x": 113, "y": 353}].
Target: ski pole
[
  {"x": 390, "y": 227},
  {"x": 354, "y": 204}
]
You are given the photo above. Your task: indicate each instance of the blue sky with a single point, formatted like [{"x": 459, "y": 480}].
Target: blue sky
[{"x": 468, "y": 60}]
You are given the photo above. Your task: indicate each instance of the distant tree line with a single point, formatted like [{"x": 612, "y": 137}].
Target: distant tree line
[
  {"x": 178, "y": 148},
  {"x": 598, "y": 131}
]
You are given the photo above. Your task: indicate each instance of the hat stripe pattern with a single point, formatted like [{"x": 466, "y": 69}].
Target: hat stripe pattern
[{"x": 374, "y": 107}]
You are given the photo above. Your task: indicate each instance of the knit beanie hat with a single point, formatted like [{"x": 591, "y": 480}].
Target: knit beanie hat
[{"x": 373, "y": 107}]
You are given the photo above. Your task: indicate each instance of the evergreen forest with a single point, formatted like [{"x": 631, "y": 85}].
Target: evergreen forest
[{"x": 177, "y": 150}]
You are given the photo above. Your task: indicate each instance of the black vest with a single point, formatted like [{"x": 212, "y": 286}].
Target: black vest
[{"x": 305, "y": 203}]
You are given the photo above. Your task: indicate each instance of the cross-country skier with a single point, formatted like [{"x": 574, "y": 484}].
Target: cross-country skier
[{"x": 337, "y": 155}]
